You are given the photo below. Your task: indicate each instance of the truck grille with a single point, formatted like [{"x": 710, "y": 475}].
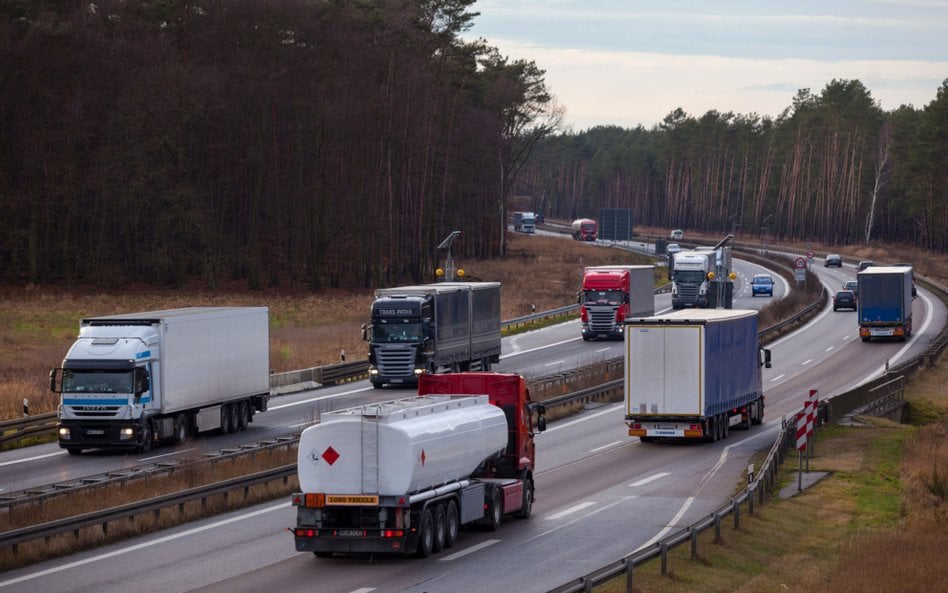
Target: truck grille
[
  {"x": 688, "y": 293},
  {"x": 602, "y": 319},
  {"x": 397, "y": 361}
]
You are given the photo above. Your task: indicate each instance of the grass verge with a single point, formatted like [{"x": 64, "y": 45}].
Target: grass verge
[{"x": 878, "y": 522}]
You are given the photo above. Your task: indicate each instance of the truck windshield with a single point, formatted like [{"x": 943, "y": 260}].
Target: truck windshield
[
  {"x": 96, "y": 381},
  {"x": 603, "y": 297},
  {"x": 396, "y": 332},
  {"x": 689, "y": 276}
]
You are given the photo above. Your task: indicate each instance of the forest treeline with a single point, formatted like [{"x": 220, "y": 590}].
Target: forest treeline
[
  {"x": 322, "y": 142},
  {"x": 338, "y": 142},
  {"x": 833, "y": 168}
]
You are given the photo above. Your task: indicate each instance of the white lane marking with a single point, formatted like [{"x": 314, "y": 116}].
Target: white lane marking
[
  {"x": 777, "y": 378},
  {"x": 171, "y": 454},
  {"x": 571, "y": 510},
  {"x": 471, "y": 550},
  {"x": 607, "y": 410},
  {"x": 687, "y": 504},
  {"x": 554, "y": 363},
  {"x": 595, "y": 512},
  {"x": 806, "y": 362},
  {"x": 645, "y": 481},
  {"x": 606, "y": 446},
  {"x": 830, "y": 348},
  {"x": 519, "y": 352},
  {"x": 364, "y": 590},
  {"x": 602, "y": 350},
  {"x": 45, "y": 455},
  {"x": 141, "y": 546},
  {"x": 320, "y": 398}
]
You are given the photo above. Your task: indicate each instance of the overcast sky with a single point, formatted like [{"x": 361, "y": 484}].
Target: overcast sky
[{"x": 632, "y": 62}]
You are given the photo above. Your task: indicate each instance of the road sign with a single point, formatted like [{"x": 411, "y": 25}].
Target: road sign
[{"x": 799, "y": 263}]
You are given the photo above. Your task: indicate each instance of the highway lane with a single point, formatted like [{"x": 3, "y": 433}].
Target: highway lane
[{"x": 600, "y": 495}]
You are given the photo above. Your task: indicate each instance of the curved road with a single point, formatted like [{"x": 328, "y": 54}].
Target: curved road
[{"x": 600, "y": 494}]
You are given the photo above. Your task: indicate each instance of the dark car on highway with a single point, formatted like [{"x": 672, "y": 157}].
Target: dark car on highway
[
  {"x": 852, "y": 285},
  {"x": 844, "y": 299},
  {"x": 866, "y": 263},
  {"x": 833, "y": 259}
]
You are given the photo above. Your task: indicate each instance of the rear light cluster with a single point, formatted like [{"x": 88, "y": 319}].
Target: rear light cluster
[{"x": 385, "y": 533}]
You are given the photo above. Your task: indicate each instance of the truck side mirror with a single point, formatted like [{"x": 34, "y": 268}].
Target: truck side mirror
[
  {"x": 365, "y": 333},
  {"x": 541, "y": 423},
  {"x": 52, "y": 382},
  {"x": 766, "y": 352}
]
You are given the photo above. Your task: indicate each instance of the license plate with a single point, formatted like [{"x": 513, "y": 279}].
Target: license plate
[
  {"x": 350, "y": 532},
  {"x": 883, "y": 332},
  {"x": 398, "y": 381},
  {"x": 96, "y": 431}
]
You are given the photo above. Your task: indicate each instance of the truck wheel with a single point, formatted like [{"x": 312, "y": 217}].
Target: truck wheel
[
  {"x": 243, "y": 416},
  {"x": 496, "y": 511},
  {"x": 451, "y": 525},
  {"x": 711, "y": 428},
  {"x": 145, "y": 447},
  {"x": 234, "y": 416},
  {"x": 725, "y": 426},
  {"x": 180, "y": 428},
  {"x": 225, "y": 419},
  {"x": 440, "y": 529},
  {"x": 526, "y": 508},
  {"x": 425, "y": 534}
]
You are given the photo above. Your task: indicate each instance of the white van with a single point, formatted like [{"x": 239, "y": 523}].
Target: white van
[{"x": 677, "y": 235}]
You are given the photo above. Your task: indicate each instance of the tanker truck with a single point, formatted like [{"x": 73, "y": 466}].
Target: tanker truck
[
  {"x": 403, "y": 476},
  {"x": 610, "y": 295},
  {"x": 137, "y": 379},
  {"x": 585, "y": 229},
  {"x": 432, "y": 328},
  {"x": 694, "y": 374}
]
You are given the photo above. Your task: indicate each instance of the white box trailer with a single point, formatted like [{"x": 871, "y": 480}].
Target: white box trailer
[{"x": 134, "y": 379}]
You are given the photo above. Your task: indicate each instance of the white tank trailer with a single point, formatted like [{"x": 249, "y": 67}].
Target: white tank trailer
[{"x": 402, "y": 476}]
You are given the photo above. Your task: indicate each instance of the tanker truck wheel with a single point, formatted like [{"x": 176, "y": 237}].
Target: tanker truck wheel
[
  {"x": 496, "y": 511},
  {"x": 451, "y": 525},
  {"x": 526, "y": 508},
  {"x": 425, "y": 534},
  {"x": 440, "y": 529}
]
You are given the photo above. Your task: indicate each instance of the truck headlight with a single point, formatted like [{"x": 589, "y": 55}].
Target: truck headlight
[
  {"x": 373, "y": 371},
  {"x": 64, "y": 433},
  {"x": 126, "y": 433}
]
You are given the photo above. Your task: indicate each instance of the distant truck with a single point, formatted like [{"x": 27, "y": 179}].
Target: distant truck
[
  {"x": 693, "y": 374},
  {"x": 432, "y": 328},
  {"x": 133, "y": 380},
  {"x": 525, "y": 222},
  {"x": 403, "y": 476},
  {"x": 884, "y": 304},
  {"x": 612, "y": 294},
  {"x": 702, "y": 278},
  {"x": 585, "y": 229}
]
